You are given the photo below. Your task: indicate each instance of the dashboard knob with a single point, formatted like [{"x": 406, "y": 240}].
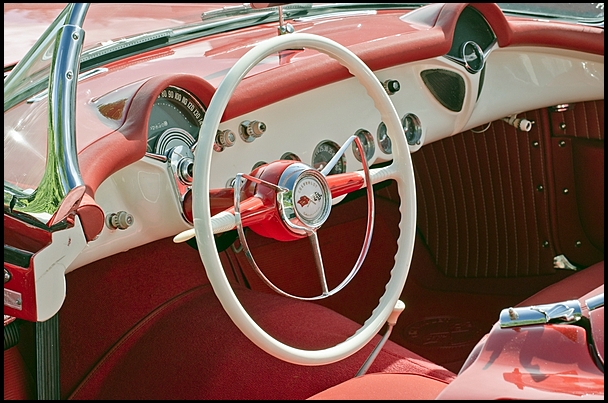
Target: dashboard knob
[
  {"x": 391, "y": 86},
  {"x": 185, "y": 167},
  {"x": 120, "y": 220},
  {"x": 226, "y": 138},
  {"x": 251, "y": 130},
  {"x": 223, "y": 139}
]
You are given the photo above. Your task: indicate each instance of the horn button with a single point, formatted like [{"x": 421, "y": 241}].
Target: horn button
[
  {"x": 303, "y": 200},
  {"x": 307, "y": 202}
]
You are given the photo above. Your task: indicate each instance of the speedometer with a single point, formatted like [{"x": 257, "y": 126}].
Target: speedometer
[
  {"x": 323, "y": 153},
  {"x": 176, "y": 118}
]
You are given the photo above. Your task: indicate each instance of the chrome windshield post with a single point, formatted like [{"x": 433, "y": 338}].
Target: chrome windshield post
[{"x": 62, "y": 173}]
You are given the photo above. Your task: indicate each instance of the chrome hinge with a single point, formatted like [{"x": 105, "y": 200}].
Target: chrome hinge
[
  {"x": 561, "y": 262},
  {"x": 561, "y": 108}
]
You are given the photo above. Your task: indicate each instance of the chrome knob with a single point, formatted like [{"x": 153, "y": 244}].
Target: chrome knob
[
  {"x": 120, "y": 220},
  {"x": 251, "y": 130},
  {"x": 185, "y": 167},
  {"x": 225, "y": 138},
  {"x": 391, "y": 86}
]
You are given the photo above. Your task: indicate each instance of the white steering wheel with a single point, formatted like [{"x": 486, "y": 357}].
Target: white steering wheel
[{"x": 399, "y": 170}]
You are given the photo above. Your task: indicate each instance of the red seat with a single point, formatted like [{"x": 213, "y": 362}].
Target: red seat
[
  {"x": 383, "y": 386},
  {"x": 387, "y": 386},
  {"x": 572, "y": 287}
]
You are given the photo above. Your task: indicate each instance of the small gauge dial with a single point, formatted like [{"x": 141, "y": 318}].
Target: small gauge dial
[
  {"x": 412, "y": 128},
  {"x": 258, "y": 164},
  {"x": 384, "y": 142},
  {"x": 290, "y": 157},
  {"x": 323, "y": 153},
  {"x": 367, "y": 141}
]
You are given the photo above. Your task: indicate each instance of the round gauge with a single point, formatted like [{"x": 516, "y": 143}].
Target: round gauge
[
  {"x": 383, "y": 140},
  {"x": 176, "y": 115},
  {"x": 323, "y": 153},
  {"x": 258, "y": 164},
  {"x": 367, "y": 141},
  {"x": 412, "y": 128},
  {"x": 290, "y": 157}
]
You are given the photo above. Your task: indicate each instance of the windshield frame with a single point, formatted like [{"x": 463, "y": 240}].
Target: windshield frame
[{"x": 62, "y": 173}]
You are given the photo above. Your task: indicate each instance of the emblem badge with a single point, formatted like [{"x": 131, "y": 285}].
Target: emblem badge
[{"x": 304, "y": 200}]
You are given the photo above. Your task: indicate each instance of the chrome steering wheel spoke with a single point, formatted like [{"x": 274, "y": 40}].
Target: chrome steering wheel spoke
[
  {"x": 300, "y": 184},
  {"x": 316, "y": 250}
]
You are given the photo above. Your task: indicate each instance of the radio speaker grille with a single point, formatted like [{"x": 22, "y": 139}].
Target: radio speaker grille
[{"x": 446, "y": 86}]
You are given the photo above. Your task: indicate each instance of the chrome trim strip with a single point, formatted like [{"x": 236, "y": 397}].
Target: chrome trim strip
[
  {"x": 595, "y": 302},
  {"x": 560, "y": 312},
  {"x": 12, "y": 299}
]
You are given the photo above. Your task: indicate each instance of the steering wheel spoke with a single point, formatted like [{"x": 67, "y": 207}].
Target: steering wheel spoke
[{"x": 316, "y": 250}]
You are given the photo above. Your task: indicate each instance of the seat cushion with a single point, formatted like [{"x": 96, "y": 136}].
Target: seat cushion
[
  {"x": 572, "y": 287},
  {"x": 383, "y": 386}
]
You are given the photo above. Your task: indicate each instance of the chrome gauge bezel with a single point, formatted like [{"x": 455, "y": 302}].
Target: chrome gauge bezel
[
  {"x": 367, "y": 141},
  {"x": 290, "y": 157},
  {"x": 473, "y": 57},
  {"x": 384, "y": 141},
  {"x": 323, "y": 153},
  {"x": 412, "y": 128},
  {"x": 257, "y": 165}
]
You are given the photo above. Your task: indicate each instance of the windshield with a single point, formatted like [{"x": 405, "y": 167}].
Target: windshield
[
  {"x": 32, "y": 73},
  {"x": 589, "y": 13},
  {"x": 24, "y": 23}
]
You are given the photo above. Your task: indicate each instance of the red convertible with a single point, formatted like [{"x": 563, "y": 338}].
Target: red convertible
[{"x": 304, "y": 201}]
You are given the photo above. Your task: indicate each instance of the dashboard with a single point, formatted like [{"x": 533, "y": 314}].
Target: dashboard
[
  {"x": 435, "y": 97},
  {"x": 243, "y": 144}
]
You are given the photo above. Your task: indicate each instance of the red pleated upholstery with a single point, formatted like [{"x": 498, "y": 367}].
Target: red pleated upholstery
[
  {"x": 479, "y": 207},
  {"x": 584, "y": 120},
  {"x": 577, "y": 168}
]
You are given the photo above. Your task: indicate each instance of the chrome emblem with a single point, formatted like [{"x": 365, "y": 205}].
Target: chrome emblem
[{"x": 311, "y": 199}]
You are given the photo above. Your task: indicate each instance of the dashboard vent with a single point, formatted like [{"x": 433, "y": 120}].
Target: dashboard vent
[{"x": 446, "y": 86}]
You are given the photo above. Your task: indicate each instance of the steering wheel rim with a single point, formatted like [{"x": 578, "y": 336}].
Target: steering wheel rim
[{"x": 399, "y": 170}]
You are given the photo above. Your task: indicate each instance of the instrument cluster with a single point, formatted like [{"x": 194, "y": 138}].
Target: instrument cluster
[
  {"x": 175, "y": 119},
  {"x": 177, "y": 116}
]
